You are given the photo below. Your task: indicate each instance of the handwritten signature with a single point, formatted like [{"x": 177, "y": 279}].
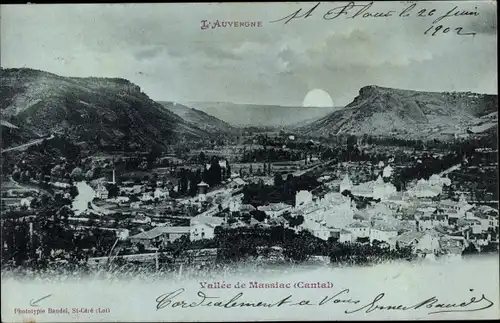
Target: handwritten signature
[
  {"x": 351, "y": 10},
  {"x": 433, "y": 304},
  {"x": 34, "y": 303}
]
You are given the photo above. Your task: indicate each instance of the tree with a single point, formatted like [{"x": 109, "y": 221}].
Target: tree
[
  {"x": 56, "y": 171},
  {"x": 247, "y": 218},
  {"x": 214, "y": 173},
  {"x": 113, "y": 191},
  {"x": 470, "y": 250},
  {"x": 259, "y": 215},
  {"x": 278, "y": 179},
  {"x": 77, "y": 174},
  {"x": 202, "y": 158},
  {"x": 89, "y": 175},
  {"x": 73, "y": 191},
  {"x": 141, "y": 248},
  {"x": 153, "y": 154},
  {"x": 228, "y": 170},
  {"x": 16, "y": 175}
]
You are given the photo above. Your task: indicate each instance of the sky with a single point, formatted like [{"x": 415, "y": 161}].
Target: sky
[{"x": 162, "y": 48}]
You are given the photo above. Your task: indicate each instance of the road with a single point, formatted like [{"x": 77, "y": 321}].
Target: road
[{"x": 24, "y": 146}]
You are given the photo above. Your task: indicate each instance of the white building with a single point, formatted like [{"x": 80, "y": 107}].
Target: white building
[
  {"x": 346, "y": 184},
  {"x": 422, "y": 241},
  {"x": 159, "y": 236},
  {"x": 146, "y": 197},
  {"x": 203, "y": 227},
  {"x": 317, "y": 228},
  {"x": 382, "y": 190},
  {"x": 141, "y": 219},
  {"x": 377, "y": 189},
  {"x": 429, "y": 222},
  {"x": 359, "y": 230},
  {"x": 101, "y": 192},
  {"x": 346, "y": 236},
  {"x": 387, "y": 172},
  {"x": 382, "y": 233},
  {"x": 160, "y": 194},
  {"x": 303, "y": 198},
  {"x": 275, "y": 209},
  {"x": 119, "y": 199},
  {"x": 429, "y": 188}
]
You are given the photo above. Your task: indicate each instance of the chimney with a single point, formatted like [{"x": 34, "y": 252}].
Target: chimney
[{"x": 114, "y": 177}]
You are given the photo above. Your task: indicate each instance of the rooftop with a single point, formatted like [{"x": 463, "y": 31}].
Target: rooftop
[
  {"x": 409, "y": 236},
  {"x": 207, "y": 220},
  {"x": 158, "y": 231},
  {"x": 358, "y": 225}
]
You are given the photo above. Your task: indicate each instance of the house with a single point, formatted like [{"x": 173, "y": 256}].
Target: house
[
  {"x": 452, "y": 246},
  {"x": 453, "y": 217},
  {"x": 472, "y": 223},
  {"x": 359, "y": 230},
  {"x": 484, "y": 219},
  {"x": 101, "y": 192},
  {"x": 141, "y": 219},
  {"x": 275, "y": 209},
  {"x": 160, "y": 194},
  {"x": 159, "y": 236},
  {"x": 429, "y": 222},
  {"x": 136, "y": 189},
  {"x": 382, "y": 233},
  {"x": 486, "y": 213},
  {"x": 346, "y": 184},
  {"x": 303, "y": 198},
  {"x": 203, "y": 227},
  {"x": 493, "y": 221},
  {"x": 317, "y": 229},
  {"x": 480, "y": 239},
  {"x": 421, "y": 241},
  {"x": 119, "y": 199},
  {"x": 238, "y": 182},
  {"x": 345, "y": 236},
  {"x": 448, "y": 205}
]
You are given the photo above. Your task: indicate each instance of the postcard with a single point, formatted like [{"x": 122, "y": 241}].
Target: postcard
[{"x": 216, "y": 162}]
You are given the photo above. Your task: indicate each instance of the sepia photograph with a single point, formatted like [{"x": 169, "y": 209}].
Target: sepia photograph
[{"x": 249, "y": 161}]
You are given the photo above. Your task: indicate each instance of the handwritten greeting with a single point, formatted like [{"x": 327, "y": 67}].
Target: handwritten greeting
[
  {"x": 431, "y": 305},
  {"x": 353, "y": 10}
]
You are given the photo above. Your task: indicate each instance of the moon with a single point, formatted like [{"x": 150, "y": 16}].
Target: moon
[{"x": 318, "y": 98}]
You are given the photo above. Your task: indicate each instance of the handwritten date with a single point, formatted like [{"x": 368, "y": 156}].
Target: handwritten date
[{"x": 351, "y": 10}]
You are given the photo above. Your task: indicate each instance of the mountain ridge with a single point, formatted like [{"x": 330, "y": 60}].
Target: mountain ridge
[
  {"x": 100, "y": 110},
  {"x": 199, "y": 118},
  {"x": 258, "y": 115},
  {"x": 388, "y": 111}
]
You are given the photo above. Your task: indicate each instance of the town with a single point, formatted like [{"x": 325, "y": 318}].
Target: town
[{"x": 260, "y": 197}]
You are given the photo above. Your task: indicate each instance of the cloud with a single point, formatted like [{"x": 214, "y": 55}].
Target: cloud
[
  {"x": 488, "y": 23},
  {"x": 275, "y": 64}
]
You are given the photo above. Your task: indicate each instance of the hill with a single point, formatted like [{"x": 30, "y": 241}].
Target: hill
[
  {"x": 408, "y": 114},
  {"x": 247, "y": 115},
  {"x": 97, "y": 111},
  {"x": 199, "y": 118}
]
